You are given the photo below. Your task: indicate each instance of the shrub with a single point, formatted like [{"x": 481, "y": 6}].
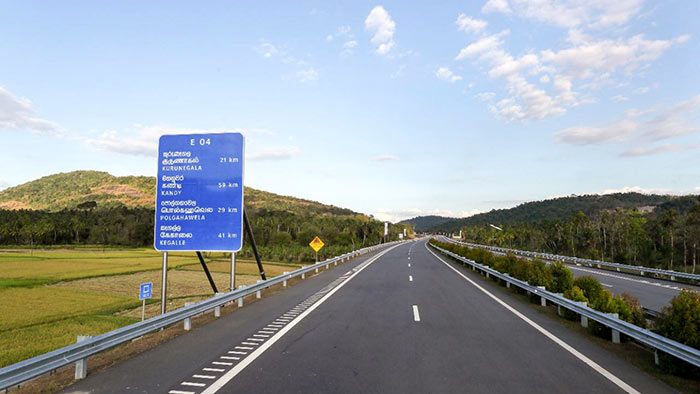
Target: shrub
[
  {"x": 562, "y": 278},
  {"x": 575, "y": 294},
  {"x": 681, "y": 322},
  {"x": 538, "y": 274},
  {"x": 637, "y": 313},
  {"x": 590, "y": 286}
]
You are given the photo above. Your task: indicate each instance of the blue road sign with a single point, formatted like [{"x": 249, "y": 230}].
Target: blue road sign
[
  {"x": 199, "y": 200},
  {"x": 146, "y": 290}
]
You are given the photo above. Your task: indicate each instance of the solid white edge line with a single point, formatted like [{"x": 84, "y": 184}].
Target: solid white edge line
[
  {"x": 416, "y": 315},
  {"x": 228, "y": 376},
  {"x": 617, "y": 381}
]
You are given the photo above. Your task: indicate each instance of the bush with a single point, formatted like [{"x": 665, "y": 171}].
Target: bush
[
  {"x": 591, "y": 288},
  {"x": 575, "y": 294},
  {"x": 562, "y": 278},
  {"x": 538, "y": 274},
  {"x": 605, "y": 302},
  {"x": 681, "y": 322},
  {"x": 637, "y": 313}
]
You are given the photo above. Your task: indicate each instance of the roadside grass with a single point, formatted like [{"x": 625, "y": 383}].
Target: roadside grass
[
  {"x": 181, "y": 283},
  {"x": 55, "y": 266},
  {"x": 23, "y": 343},
  {"x": 23, "y": 307},
  {"x": 244, "y": 267}
]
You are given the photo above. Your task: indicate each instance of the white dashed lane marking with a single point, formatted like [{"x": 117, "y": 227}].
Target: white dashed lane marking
[{"x": 416, "y": 315}]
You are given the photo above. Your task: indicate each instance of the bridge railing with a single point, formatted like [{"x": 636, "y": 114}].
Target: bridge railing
[
  {"x": 24, "y": 370},
  {"x": 640, "y": 270},
  {"x": 647, "y": 337}
]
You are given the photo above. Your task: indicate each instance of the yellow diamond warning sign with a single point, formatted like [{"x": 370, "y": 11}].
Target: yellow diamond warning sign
[{"x": 316, "y": 244}]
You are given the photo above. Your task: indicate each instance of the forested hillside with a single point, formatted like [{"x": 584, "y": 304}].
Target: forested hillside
[
  {"x": 564, "y": 207},
  {"x": 667, "y": 236},
  {"x": 423, "y": 223},
  {"x": 96, "y": 208}
]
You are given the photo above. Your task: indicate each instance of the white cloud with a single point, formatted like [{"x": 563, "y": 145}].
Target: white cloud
[
  {"x": 677, "y": 120},
  {"x": 274, "y": 153},
  {"x": 267, "y": 50},
  {"x": 637, "y": 189},
  {"x": 544, "y": 79},
  {"x": 469, "y": 24},
  {"x": 641, "y": 90},
  {"x": 379, "y": 21},
  {"x": 16, "y": 113},
  {"x": 697, "y": 188},
  {"x": 607, "y": 56},
  {"x": 647, "y": 151},
  {"x": 446, "y": 74},
  {"x": 485, "y": 96},
  {"x": 385, "y": 158},
  {"x": 496, "y": 6},
  {"x": 4, "y": 185},
  {"x": 486, "y": 44},
  {"x": 618, "y": 98},
  {"x": 569, "y": 13},
  {"x": 350, "y": 44},
  {"x": 329, "y": 37},
  {"x": 143, "y": 140},
  {"x": 308, "y": 75}
]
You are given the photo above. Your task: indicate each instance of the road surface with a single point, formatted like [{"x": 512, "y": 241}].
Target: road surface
[{"x": 398, "y": 321}]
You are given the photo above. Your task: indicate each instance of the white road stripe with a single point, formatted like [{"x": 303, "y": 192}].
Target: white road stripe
[
  {"x": 605, "y": 284},
  {"x": 249, "y": 344},
  {"x": 213, "y": 369},
  {"x": 624, "y": 386},
  {"x": 266, "y": 332},
  {"x": 261, "y": 335},
  {"x": 409, "y": 265},
  {"x": 229, "y": 358},
  {"x": 204, "y": 376},
  {"x": 221, "y": 363},
  {"x": 416, "y": 315},
  {"x": 236, "y": 352},
  {"x": 255, "y": 339},
  {"x": 410, "y": 278},
  {"x": 217, "y": 385},
  {"x": 244, "y": 347},
  {"x": 180, "y": 392},
  {"x": 192, "y": 384},
  {"x": 271, "y": 328}
]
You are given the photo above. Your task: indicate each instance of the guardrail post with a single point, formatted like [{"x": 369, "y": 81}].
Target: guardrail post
[
  {"x": 188, "y": 321},
  {"x": 641, "y": 273},
  {"x": 240, "y": 299},
  {"x": 303, "y": 274},
  {"x": 316, "y": 270},
  {"x": 327, "y": 266},
  {"x": 81, "y": 365},
  {"x": 543, "y": 301},
  {"x": 487, "y": 274},
  {"x": 656, "y": 357},
  {"x": 217, "y": 309},
  {"x": 673, "y": 277},
  {"x": 284, "y": 283},
  {"x": 584, "y": 319},
  {"x": 258, "y": 293},
  {"x": 615, "y": 334}
]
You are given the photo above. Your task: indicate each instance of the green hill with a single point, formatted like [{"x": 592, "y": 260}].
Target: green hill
[
  {"x": 62, "y": 191},
  {"x": 423, "y": 223},
  {"x": 565, "y": 207}
]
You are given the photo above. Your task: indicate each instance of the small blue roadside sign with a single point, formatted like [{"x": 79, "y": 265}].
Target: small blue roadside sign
[
  {"x": 146, "y": 290},
  {"x": 199, "y": 197}
]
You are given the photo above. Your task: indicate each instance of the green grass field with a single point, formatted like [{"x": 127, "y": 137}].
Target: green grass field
[{"x": 50, "y": 296}]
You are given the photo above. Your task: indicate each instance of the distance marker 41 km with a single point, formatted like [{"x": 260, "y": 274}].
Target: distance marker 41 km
[{"x": 199, "y": 199}]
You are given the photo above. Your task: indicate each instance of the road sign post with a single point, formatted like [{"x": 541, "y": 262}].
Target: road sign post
[
  {"x": 145, "y": 292},
  {"x": 199, "y": 197},
  {"x": 316, "y": 244}
]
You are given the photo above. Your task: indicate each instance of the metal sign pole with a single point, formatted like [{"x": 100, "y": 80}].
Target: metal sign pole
[
  {"x": 164, "y": 289},
  {"x": 233, "y": 271},
  {"x": 143, "y": 310}
]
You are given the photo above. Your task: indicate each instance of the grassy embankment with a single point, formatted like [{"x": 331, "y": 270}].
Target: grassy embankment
[{"x": 50, "y": 296}]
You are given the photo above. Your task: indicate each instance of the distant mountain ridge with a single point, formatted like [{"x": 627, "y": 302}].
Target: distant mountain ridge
[
  {"x": 423, "y": 223},
  {"x": 81, "y": 188},
  {"x": 564, "y": 208}
]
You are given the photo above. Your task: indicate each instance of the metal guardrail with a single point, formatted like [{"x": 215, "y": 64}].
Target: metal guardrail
[
  {"x": 24, "y": 370},
  {"x": 671, "y": 275},
  {"x": 656, "y": 341}
]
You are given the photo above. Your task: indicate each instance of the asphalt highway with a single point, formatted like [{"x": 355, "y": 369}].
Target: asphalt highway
[{"x": 401, "y": 320}]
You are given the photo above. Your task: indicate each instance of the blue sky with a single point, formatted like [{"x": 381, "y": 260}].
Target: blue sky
[{"x": 395, "y": 109}]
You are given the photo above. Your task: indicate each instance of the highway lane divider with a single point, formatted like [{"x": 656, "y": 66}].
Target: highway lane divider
[
  {"x": 674, "y": 276},
  {"x": 23, "y": 371},
  {"x": 617, "y": 326}
]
